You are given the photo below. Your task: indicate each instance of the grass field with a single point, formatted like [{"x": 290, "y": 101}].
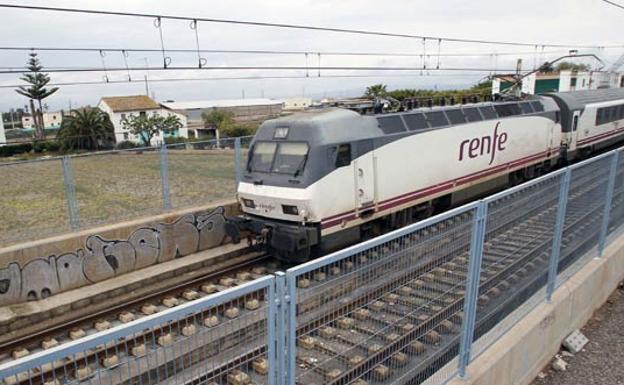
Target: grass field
[{"x": 109, "y": 188}]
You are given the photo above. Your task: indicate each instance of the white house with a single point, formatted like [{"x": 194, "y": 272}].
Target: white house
[
  {"x": 52, "y": 119},
  {"x": 120, "y": 107},
  {"x": 28, "y": 121},
  {"x": 297, "y": 104}
]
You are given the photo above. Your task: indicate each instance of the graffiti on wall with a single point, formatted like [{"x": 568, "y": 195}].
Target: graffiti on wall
[{"x": 101, "y": 259}]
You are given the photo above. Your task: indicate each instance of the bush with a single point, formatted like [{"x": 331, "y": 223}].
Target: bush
[
  {"x": 15, "y": 149},
  {"x": 239, "y": 130},
  {"x": 39, "y": 146},
  {"x": 126, "y": 144},
  {"x": 175, "y": 140}
]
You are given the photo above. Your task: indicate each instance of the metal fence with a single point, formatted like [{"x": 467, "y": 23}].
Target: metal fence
[
  {"x": 50, "y": 196},
  {"x": 413, "y": 306}
]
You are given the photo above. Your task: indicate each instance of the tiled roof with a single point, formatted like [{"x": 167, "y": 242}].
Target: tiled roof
[{"x": 131, "y": 103}]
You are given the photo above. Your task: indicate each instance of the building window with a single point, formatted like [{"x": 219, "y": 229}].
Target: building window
[
  {"x": 155, "y": 113},
  {"x": 125, "y": 136},
  {"x": 142, "y": 114}
]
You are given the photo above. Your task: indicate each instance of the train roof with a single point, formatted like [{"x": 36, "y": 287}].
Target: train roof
[
  {"x": 577, "y": 100},
  {"x": 335, "y": 125},
  {"x": 326, "y": 125}
]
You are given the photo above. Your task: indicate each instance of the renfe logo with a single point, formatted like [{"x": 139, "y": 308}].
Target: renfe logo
[{"x": 484, "y": 145}]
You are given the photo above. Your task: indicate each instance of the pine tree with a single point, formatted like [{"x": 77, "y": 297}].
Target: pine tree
[{"x": 36, "y": 91}]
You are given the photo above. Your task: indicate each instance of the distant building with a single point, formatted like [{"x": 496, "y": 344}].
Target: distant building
[
  {"x": 2, "y": 135},
  {"x": 297, "y": 104},
  {"x": 559, "y": 81},
  {"x": 52, "y": 119},
  {"x": 120, "y": 107},
  {"x": 27, "y": 121},
  {"x": 244, "y": 110}
]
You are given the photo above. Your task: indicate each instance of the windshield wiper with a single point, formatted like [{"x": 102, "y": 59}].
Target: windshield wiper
[{"x": 300, "y": 166}]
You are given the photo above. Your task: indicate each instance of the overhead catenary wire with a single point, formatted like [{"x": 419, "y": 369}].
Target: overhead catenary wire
[
  {"x": 292, "y": 26},
  {"x": 267, "y": 52},
  {"x": 614, "y": 4},
  {"x": 258, "y": 68},
  {"x": 164, "y": 80}
]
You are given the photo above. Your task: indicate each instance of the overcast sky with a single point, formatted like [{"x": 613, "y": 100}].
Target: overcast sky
[{"x": 535, "y": 21}]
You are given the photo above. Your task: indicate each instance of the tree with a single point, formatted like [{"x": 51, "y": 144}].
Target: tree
[
  {"x": 36, "y": 91},
  {"x": 147, "y": 127},
  {"x": 375, "y": 91},
  {"x": 547, "y": 67},
  {"x": 564, "y": 66},
  {"x": 86, "y": 129},
  {"x": 221, "y": 120}
]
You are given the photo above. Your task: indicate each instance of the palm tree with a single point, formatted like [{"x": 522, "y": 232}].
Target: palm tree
[
  {"x": 36, "y": 91},
  {"x": 375, "y": 91},
  {"x": 86, "y": 129}
]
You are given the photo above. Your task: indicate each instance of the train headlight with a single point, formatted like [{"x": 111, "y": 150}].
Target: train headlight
[
  {"x": 291, "y": 210},
  {"x": 249, "y": 203}
]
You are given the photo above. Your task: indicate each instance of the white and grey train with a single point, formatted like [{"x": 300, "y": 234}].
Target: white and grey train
[{"x": 320, "y": 180}]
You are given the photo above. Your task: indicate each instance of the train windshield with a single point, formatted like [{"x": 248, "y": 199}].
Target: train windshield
[{"x": 281, "y": 158}]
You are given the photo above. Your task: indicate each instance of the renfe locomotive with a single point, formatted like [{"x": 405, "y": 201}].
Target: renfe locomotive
[{"x": 319, "y": 180}]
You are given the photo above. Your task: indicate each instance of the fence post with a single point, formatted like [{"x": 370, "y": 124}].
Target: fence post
[
  {"x": 70, "y": 193},
  {"x": 290, "y": 307},
  {"x": 237, "y": 160},
  {"x": 282, "y": 329},
  {"x": 164, "y": 177},
  {"x": 564, "y": 188},
  {"x": 606, "y": 216},
  {"x": 472, "y": 286},
  {"x": 272, "y": 337}
]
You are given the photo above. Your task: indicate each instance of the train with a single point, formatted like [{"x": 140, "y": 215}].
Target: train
[{"x": 320, "y": 180}]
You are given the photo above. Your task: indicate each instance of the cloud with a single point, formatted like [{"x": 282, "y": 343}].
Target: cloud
[{"x": 555, "y": 21}]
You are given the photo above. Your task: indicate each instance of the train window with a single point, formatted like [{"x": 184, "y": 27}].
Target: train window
[
  {"x": 505, "y": 110},
  {"x": 537, "y": 106},
  {"x": 526, "y": 108},
  {"x": 621, "y": 112},
  {"x": 599, "y": 116},
  {"x": 343, "y": 156},
  {"x": 456, "y": 116},
  {"x": 391, "y": 124},
  {"x": 415, "y": 121},
  {"x": 436, "y": 119},
  {"x": 290, "y": 158},
  {"x": 614, "y": 114},
  {"x": 472, "y": 114},
  {"x": 488, "y": 112},
  {"x": 261, "y": 157},
  {"x": 575, "y": 124}
]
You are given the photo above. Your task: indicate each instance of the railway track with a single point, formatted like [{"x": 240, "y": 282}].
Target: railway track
[
  {"x": 389, "y": 313},
  {"x": 257, "y": 265},
  {"x": 413, "y": 328}
]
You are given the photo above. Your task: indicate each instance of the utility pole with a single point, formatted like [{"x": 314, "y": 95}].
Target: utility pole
[
  {"x": 518, "y": 89},
  {"x": 145, "y": 77}
]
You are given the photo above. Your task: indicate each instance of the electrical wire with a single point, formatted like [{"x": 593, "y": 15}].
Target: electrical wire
[
  {"x": 268, "y": 52},
  {"x": 289, "y": 26},
  {"x": 247, "y": 68},
  {"x": 166, "y": 80},
  {"x": 614, "y": 4}
]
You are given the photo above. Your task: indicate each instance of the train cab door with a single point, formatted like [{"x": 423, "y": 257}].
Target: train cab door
[
  {"x": 364, "y": 171},
  {"x": 573, "y": 134}
]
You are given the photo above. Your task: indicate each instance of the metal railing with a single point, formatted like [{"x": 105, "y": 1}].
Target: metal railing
[
  {"x": 416, "y": 305},
  {"x": 50, "y": 196}
]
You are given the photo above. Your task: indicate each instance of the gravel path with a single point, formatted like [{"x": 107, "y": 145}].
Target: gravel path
[{"x": 602, "y": 359}]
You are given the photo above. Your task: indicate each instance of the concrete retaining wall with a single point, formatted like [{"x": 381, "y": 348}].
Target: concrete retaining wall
[
  {"x": 40, "y": 269},
  {"x": 519, "y": 355}
]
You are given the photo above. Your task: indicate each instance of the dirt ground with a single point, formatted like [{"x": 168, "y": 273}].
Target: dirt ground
[
  {"x": 109, "y": 188},
  {"x": 602, "y": 360}
]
